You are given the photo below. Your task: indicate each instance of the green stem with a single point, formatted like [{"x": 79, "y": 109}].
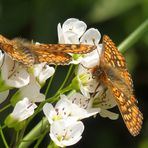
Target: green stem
[
  {"x": 134, "y": 37},
  {"x": 66, "y": 78},
  {"x": 4, "y": 108},
  {"x": 53, "y": 145},
  {"x": 3, "y": 138},
  {"x": 54, "y": 98},
  {"x": 36, "y": 131},
  {"x": 40, "y": 139}
]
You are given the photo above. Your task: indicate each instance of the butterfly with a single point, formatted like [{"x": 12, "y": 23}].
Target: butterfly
[
  {"x": 112, "y": 73},
  {"x": 29, "y": 53}
]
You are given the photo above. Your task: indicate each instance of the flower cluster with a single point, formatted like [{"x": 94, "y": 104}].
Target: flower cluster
[
  {"x": 14, "y": 75},
  {"x": 65, "y": 125}
]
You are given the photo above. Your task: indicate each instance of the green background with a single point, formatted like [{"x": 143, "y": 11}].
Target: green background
[{"x": 37, "y": 20}]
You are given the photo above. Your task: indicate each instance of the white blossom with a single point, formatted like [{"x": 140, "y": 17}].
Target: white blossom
[
  {"x": 71, "y": 30},
  {"x": 86, "y": 82},
  {"x": 92, "y": 37},
  {"x": 84, "y": 103},
  {"x": 23, "y": 109},
  {"x": 13, "y": 74},
  {"x": 31, "y": 91},
  {"x": 105, "y": 101},
  {"x": 42, "y": 72},
  {"x": 66, "y": 132},
  {"x": 65, "y": 109}
]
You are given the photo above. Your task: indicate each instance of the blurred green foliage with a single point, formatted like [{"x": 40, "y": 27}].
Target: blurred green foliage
[{"x": 38, "y": 19}]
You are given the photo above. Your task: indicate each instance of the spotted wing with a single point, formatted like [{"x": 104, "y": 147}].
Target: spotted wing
[
  {"x": 17, "y": 53},
  {"x": 111, "y": 55},
  {"x": 114, "y": 60},
  {"x": 129, "y": 110},
  {"x": 58, "y": 53},
  {"x": 120, "y": 83},
  {"x": 58, "y": 58},
  {"x": 65, "y": 48}
]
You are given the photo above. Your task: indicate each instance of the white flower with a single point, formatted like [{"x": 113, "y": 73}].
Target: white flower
[
  {"x": 42, "y": 72},
  {"x": 39, "y": 74},
  {"x": 84, "y": 103},
  {"x": 86, "y": 82},
  {"x": 71, "y": 30},
  {"x": 66, "y": 132},
  {"x": 105, "y": 101},
  {"x": 70, "y": 33},
  {"x": 91, "y": 36},
  {"x": 3, "y": 95},
  {"x": 31, "y": 91},
  {"x": 13, "y": 74},
  {"x": 67, "y": 108},
  {"x": 23, "y": 110},
  {"x": 63, "y": 109}
]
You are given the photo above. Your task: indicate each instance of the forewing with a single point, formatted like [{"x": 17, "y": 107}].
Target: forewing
[
  {"x": 114, "y": 60},
  {"x": 58, "y": 53},
  {"x": 16, "y": 52},
  {"x": 58, "y": 58},
  {"x": 111, "y": 55},
  {"x": 65, "y": 48}
]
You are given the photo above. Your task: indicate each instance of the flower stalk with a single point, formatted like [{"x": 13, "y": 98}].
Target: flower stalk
[
  {"x": 35, "y": 132},
  {"x": 134, "y": 37}
]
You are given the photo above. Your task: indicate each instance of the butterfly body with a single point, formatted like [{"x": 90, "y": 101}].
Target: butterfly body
[
  {"x": 113, "y": 74},
  {"x": 29, "y": 53}
]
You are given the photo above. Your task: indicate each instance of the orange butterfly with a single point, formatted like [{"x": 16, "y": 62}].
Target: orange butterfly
[
  {"x": 113, "y": 75},
  {"x": 29, "y": 53}
]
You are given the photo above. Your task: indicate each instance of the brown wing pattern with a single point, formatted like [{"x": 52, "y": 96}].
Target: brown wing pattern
[
  {"x": 111, "y": 55},
  {"x": 119, "y": 81},
  {"x": 129, "y": 110},
  {"x": 58, "y": 58},
  {"x": 29, "y": 53},
  {"x": 65, "y": 48},
  {"x": 115, "y": 60},
  {"x": 19, "y": 54}
]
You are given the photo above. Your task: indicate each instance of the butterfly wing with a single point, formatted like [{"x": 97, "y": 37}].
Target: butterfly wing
[
  {"x": 129, "y": 110},
  {"x": 120, "y": 83},
  {"x": 58, "y": 53},
  {"x": 114, "y": 60},
  {"x": 29, "y": 53},
  {"x": 66, "y": 48},
  {"x": 58, "y": 58},
  {"x": 111, "y": 55},
  {"x": 16, "y": 51}
]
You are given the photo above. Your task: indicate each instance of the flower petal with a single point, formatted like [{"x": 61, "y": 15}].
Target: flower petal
[
  {"x": 33, "y": 95},
  {"x": 13, "y": 74},
  {"x": 106, "y": 113},
  {"x": 74, "y": 25},
  {"x": 66, "y": 132},
  {"x": 23, "y": 109},
  {"x": 91, "y": 36}
]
